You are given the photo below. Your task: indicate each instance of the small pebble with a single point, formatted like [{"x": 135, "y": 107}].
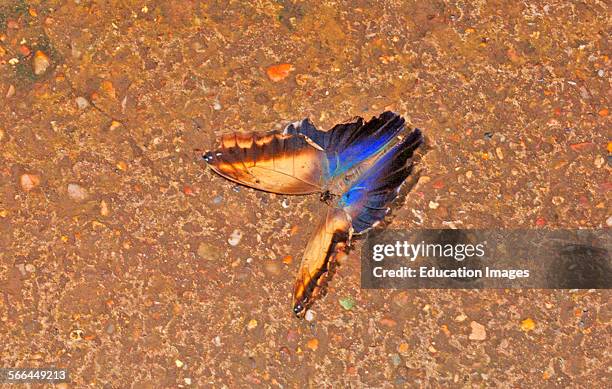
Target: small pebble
[
  {"x": 310, "y": 315},
  {"x": 609, "y": 221},
  {"x": 82, "y": 102},
  {"x": 121, "y": 165},
  {"x": 285, "y": 203},
  {"x": 601, "y": 73},
  {"x": 76, "y": 334},
  {"x": 179, "y": 363},
  {"x": 235, "y": 238},
  {"x": 217, "y": 200},
  {"x": 599, "y": 161},
  {"x": 217, "y": 106},
  {"x": 40, "y": 63},
  {"x": 396, "y": 359},
  {"x": 104, "y": 209},
  {"x": 217, "y": 341},
  {"x": 488, "y": 135},
  {"x": 347, "y": 303},
  {"x": 114, "y": 125},
  {"x": 30, "y": 268},
  {"x": 29, "y": 181},
  {"x": 434, "y": 205},
  {"x": 77, "y": 192},
  {"x": 187, "y": 381},
  {"x": 499, "y": 153},
  {"x": 478, "y": 331},
  {"x": 252, "y": 324},
  {"x": 10, "y": 92},
  {"x": 279, "y": 72},
  {"x": 313, "y": 344},
  {"x": 528, "y": 324}
]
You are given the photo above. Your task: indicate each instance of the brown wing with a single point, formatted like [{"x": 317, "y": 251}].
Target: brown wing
[
  {"x": 272, "y": 162},
  {"x": 331, "y": 237}
]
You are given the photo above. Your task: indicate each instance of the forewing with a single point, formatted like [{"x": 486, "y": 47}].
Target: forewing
[
  {"x": 272, "y": 162},
  {"x": 349, "y": 144},
  {"x": 330, "y": 237}
]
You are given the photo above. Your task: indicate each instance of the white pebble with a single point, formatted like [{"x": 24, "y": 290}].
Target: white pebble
[
  {"x": 309, "y": 315},
  {"x": 609, "y": 221},
  {"x": 217, "y": 341},
  {"x": 40, "y": 63},
  {"x": 285, "y": 203},
  {"x": 217, "y": 106},
  {"x": 235, "y": 238},
  {"x": 21, "y": 268},
  {"x": 77, "y": 192},
  {"x": 433, "y": 205},
  {"x": 82, "y": 102}
]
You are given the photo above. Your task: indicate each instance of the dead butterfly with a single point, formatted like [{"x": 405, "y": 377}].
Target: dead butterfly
[{"x": 357, "y": 167}]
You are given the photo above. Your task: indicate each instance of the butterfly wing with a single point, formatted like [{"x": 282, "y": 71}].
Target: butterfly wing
[
  {"x": 348, "y": 144},
  {"x": 272, "y": 162},
  {"x": 331, "y": 236},
  {"x": 367, "y": 199},
  {"x": 360, "y": 208}
]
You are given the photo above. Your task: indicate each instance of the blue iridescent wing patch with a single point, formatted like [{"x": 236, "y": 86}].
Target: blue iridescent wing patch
[{"x": 367, "y": 200}]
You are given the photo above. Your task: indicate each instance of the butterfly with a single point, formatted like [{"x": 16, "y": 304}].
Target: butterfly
[{"x": 356, "y": 167}]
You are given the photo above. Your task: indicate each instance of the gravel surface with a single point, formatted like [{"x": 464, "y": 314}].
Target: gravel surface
[{"x": 125, "y": 259}]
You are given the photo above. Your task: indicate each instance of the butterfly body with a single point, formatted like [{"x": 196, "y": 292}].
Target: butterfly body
[{"x": 357, "y": 168}]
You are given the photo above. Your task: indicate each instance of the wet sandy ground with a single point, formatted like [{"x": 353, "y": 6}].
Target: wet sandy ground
[{"x": 114, "y": 252}]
